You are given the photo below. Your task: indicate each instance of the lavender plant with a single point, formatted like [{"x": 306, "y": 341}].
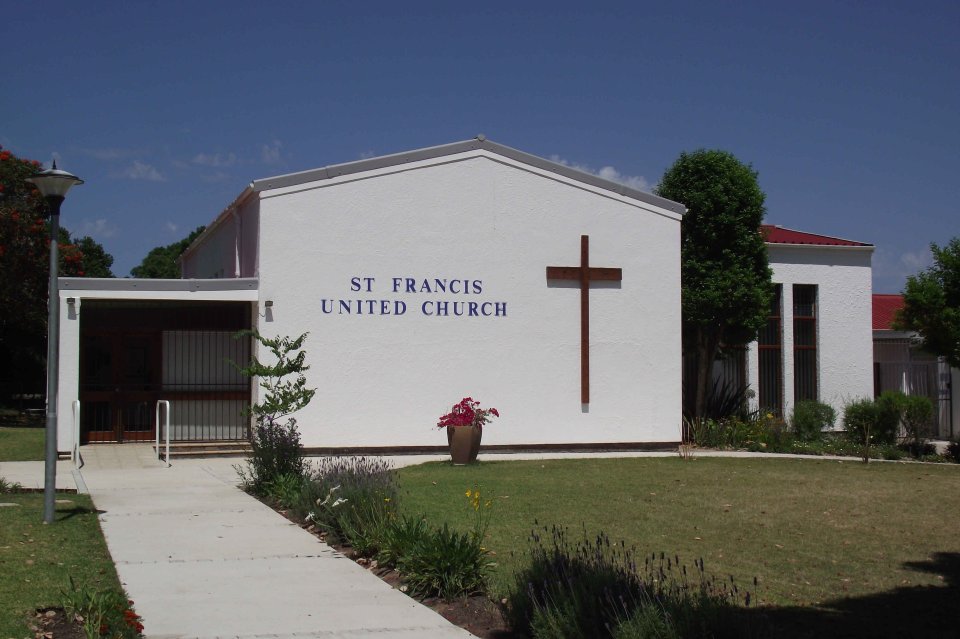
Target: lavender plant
[{"x": 597, "y": 588}]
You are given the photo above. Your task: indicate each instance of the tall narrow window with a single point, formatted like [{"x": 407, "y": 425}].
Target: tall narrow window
[
  {"x": 804, "y": 341},
  {"x": 770, "y": 347}
]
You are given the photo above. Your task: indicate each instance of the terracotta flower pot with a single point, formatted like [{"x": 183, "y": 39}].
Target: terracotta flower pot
[{"x": 464, "y": 444}]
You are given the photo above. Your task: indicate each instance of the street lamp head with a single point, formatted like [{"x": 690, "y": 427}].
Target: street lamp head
[{"x": 54, "y": 183}]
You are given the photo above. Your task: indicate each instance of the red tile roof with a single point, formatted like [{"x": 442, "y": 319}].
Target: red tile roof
[
  {"x": 885, "y": 308},
  {"x": 779, "y": 235}
]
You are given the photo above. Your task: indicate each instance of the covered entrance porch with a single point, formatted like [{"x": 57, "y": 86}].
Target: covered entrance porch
[
  {"x": 125, "y": 352},
  {"x": 134, "y": 354}
]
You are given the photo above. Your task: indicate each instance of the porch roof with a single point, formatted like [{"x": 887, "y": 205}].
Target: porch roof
[{"x": 233, "y": 289}]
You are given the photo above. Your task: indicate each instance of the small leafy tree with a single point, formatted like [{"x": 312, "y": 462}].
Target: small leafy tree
[
  {"x": 277, "y": 454},
  {"x": 725, "y": 274},
  {"x": 859, "y": 419},
  {"x": 932, "y": 303},
  {"x": 917, "y": 412},
  {"x": 890, "y": 406}
]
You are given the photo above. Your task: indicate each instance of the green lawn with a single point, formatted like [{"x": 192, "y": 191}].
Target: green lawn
[
  {"x": 36, "y": 559},
  {"x": 21, "y": 443},
  {"x": 842, "y": 536}
]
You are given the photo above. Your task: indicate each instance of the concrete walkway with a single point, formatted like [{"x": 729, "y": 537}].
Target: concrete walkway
[{"x": 201, "y": 558}]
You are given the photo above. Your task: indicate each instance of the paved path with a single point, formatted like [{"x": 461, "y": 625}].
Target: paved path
[{"x": 203, "y": 559}]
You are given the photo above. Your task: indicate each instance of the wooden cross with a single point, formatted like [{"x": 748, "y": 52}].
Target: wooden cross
[{"x": 584, "y": 274}]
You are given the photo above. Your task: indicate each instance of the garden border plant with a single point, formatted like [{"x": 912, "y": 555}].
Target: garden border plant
[
  {"x": 810, "y": 418},
  {"x": 277, "y": 453},
  {"x": 870, "y": 431},
  {"x": 354, "y": 502},
  {"x": 597, "y": 588}
]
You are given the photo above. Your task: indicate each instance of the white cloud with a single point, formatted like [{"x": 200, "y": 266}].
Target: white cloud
[
  {"x": 172, "y": 227},
  {"x": 270, "y": 153},
  {"x": 109, "y": 153},
  {"x": 634, "y": 181},
  {"x": 916, "y": 261},
  {"x": 607, "y": 173},
  {"x": 366, "y": 155},
  {"x": 99, "y": 228},
  {"x": 214, "y": 160},
  {"x": 892, "y": 267},
  {"x": 142, "y": 171}
]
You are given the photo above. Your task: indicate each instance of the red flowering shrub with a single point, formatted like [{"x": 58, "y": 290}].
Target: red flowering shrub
[
  {"x": 24, "y": 273},
  {"x": 104, "y": 613},
  {"x": 467, "y": 413}
]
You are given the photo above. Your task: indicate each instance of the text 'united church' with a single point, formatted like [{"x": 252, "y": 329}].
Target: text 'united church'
[{"x": 416, "y": 286}]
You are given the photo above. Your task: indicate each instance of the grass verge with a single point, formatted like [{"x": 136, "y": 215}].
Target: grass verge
[
  {"x": 21, "y": 444},
  {"x": 36, "y": 560},
  {"x": 812, "y": 532}
]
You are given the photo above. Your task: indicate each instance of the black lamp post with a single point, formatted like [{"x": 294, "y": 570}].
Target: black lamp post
[{"x": 53, "y": 185}]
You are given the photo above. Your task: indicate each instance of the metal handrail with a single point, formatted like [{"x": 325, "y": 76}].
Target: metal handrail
[
  {"x": 166, "y": 428},
  {"x": 75, "y": 451}
]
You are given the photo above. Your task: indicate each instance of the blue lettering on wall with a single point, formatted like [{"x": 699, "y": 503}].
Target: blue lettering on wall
[{"x": 419, "y": 286}]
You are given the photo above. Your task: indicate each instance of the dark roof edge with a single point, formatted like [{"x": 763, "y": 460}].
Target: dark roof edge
[
  {"x": 480, "y": 142},
  {"x": 849, "y": 247},
  {"x": 133, "y": 284}
]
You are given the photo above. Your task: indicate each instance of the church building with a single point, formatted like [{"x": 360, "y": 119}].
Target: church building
[{"x": 468, "y": 269}]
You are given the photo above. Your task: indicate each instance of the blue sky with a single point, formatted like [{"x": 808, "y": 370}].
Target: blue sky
[{"x": 850, "y": 114}]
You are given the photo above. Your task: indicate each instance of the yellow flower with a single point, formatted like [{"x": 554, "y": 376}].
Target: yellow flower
[
  {"x": 386, "y": 499},
  {"x": 468, "y": 494}
]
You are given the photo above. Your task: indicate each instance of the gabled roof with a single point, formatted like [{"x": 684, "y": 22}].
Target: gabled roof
[
  {"x": 885, "y": 309},
  {"x": 396, "y": 159},
  {"x": 480, "y": 142},
  {"x": 778, "y": 235}
]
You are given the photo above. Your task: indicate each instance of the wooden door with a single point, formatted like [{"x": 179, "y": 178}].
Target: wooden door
[
  {"x": 119, "y": 388},
  {"x": 138, "y": 386}
]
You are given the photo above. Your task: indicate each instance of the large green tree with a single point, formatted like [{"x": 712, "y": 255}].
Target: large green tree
[
  {"x": 161, "y": 262},
  {"x": 932, "y": 303},
  {"x": 725, "y": 275},
  {"x": 96, "y": 261},
  {"x": 24, "y": 276}
]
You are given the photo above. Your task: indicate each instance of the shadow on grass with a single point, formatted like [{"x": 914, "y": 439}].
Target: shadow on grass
[
  {"x": 64, "y": 514},
  {"x": 909, "y": 611}
]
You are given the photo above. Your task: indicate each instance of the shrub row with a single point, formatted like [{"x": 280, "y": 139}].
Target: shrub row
[{"x": 872, "y": 429}]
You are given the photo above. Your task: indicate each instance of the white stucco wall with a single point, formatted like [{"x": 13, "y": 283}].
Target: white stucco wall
[
  {"x": 68, "y": 374},
  {"x": 229, "y": 248},
  {"x": 383, "y": 380},
  {"x": 249, "y": 221},
  {"x": 844, "y": 326}
]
